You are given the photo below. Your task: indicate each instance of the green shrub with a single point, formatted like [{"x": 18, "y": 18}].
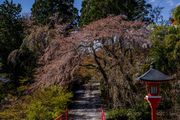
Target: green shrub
[
  {"x": 124, "y": 114},
  {"x": 44, "y": 104},
  {"x": 1, "y": 92},
  {"x": 48, "y": 103},
  {"x": 165, "y": 47},
  {"x": 138, "y": 112}
]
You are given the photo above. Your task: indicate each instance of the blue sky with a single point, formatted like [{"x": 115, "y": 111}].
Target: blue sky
[{"x": 167, "y": 4}]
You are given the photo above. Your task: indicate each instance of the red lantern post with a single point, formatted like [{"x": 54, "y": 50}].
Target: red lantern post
[{"x": 152, "y": 79}]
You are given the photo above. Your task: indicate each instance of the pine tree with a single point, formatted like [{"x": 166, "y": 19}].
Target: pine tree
[
  {"x": 11, "y": 29},
  {"x": 95, "y": 9},
  {"x": 176, "y": 14},
  {"x": 43, "y": 10}
]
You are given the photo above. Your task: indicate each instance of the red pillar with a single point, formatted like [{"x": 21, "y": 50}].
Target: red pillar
[
  {"x": 153, "y": 113},
  {"x": 102, "y": 114},
  {"x": 67, "y": 114},
  {"x": 153, "y": 102}
]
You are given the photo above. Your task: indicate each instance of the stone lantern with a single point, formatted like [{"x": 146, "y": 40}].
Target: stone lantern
[{"x": 152, "y": 79}]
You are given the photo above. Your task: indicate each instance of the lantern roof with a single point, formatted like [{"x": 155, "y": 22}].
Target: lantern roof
[{"x": 153, "y": 75}]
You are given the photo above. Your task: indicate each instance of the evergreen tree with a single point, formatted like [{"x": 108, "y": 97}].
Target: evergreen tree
[
  {"x": 165, "y": 48},
  {"x": 176, "y": 14},
  {"x": 96, "y": 9},
  {"x": 43, "y": 10},
  {"x": 11, "y": 29}
]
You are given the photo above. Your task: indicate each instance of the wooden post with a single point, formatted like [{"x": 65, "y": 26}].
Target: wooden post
[
  {"x": 66, "y": 114},
  {"x": 153, "y": 102},
  {"x": 153, "y": 113},
  {"x": 102, "y": 114}
]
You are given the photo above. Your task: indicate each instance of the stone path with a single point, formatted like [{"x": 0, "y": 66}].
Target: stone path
[{"x": 87, "y": 104}]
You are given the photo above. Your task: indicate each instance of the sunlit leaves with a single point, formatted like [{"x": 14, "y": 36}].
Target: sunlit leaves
[
  {"x": 176, "y": 14},
  {"x": 48, "y": 103},
  {"x": 165, "y": 49}
]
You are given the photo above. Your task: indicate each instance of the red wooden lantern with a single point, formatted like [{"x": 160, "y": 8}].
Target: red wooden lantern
[{"x": 152, "y": 79}]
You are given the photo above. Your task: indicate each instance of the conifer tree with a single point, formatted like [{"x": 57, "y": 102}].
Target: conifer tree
[
  {"x": 176, "y": 14},
  {"x": 11, "y": 29},
  {"x": 96, "y": 9},
  {"x": 43, "y": 10}
]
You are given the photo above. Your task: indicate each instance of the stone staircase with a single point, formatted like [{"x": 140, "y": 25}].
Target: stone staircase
[{"x": 86, "y": 104}]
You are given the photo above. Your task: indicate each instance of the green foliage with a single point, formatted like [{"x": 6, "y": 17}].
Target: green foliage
[
  {"x": 165, "y": 48},
  {"x": 138, "y": 112},
  {"x": 93, "y": 10},
  {"x": 22, "y": 63},
  {"x": 44, "y": 104},
  {"x": 14, "y": 109},
  {"x": 64, "y": 10},
  {"x": 178, "y": 100},
  {"x": 119, "y": 114},
  {"x": 11, "y": 30},
  {"x": 176, "y": 14},
  {"x": 155, "y": 15},
  {"x": 1, "y": 92},
  {"x": 168, "y": 97},
  {"x": 48, "y": 103}
]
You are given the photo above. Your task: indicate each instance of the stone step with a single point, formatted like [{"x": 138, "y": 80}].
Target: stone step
[
  {"x": 85, "y": 114},
  {"x": 86, "y": 104},
  {"x": 88, "y": 92},
  {"x": 92, "y": 84}
]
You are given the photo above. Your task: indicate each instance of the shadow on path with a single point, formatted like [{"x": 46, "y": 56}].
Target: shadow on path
[{"x": 86, "y": 104}]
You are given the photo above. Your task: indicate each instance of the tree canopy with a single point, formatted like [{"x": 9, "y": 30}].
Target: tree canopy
[
  {"x": 111, "y": 47},
  {"x": 166, "y": 47},
  {"x": 11, "y": 29},
  {"x": 96, "y": 9},
  {"x": 176, "y": 14},
  {"x": 63, "y": 10}
]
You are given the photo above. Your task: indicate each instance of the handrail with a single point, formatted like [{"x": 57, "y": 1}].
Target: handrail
[
  {"x": 102, "y": 114},
  {"x": 63, "y": 116}
]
